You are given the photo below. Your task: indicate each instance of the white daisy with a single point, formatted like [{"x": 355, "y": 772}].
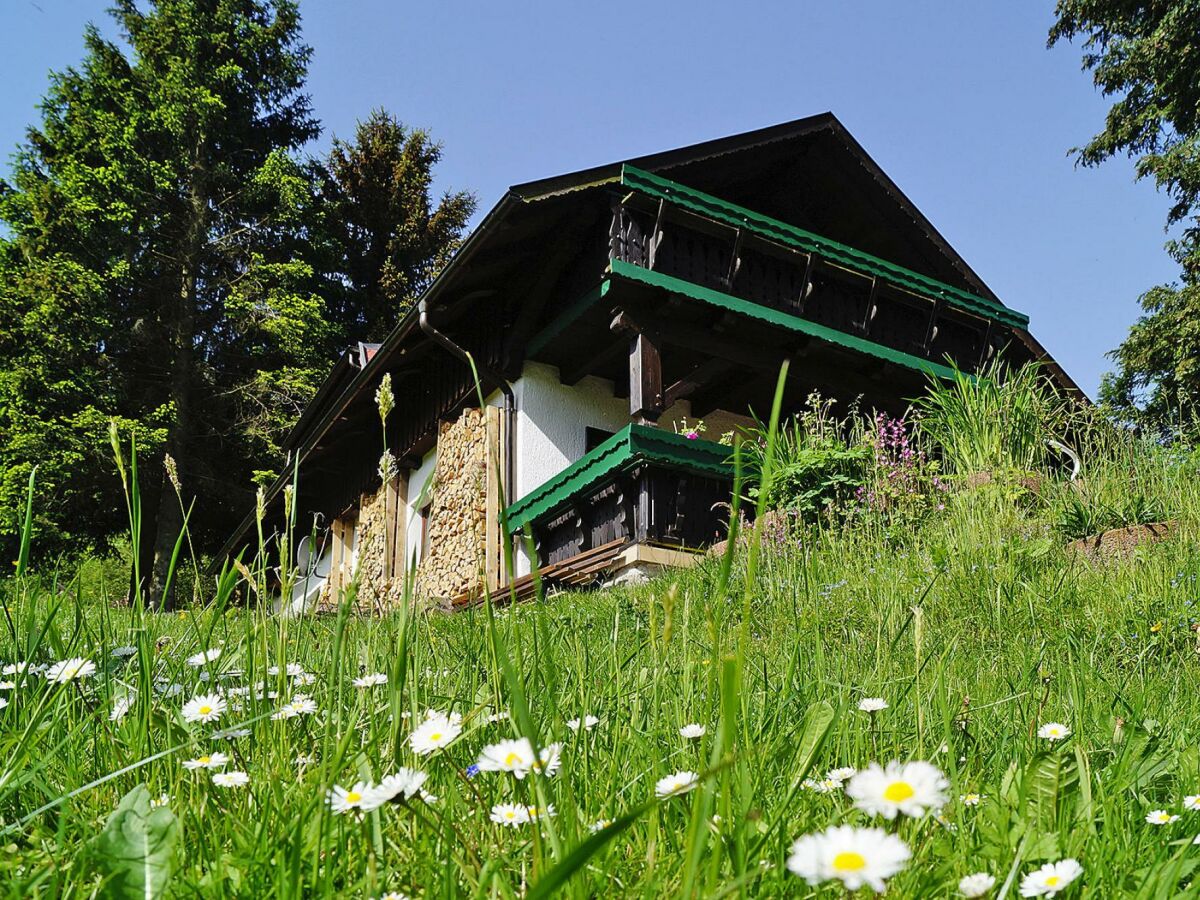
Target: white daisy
[
  {"x": 692, "y": 732},
  {"x": 1050, "y": 878},
  {"x": 230, "y": 779},
  {"x": 822, "y": 785},
  {"x": 291, "y": 670},
  {"x": 971, "y": 799},
  {"x": 403, "y": 783},
  {"x": 7, "y": 685},
  {"x": 300, "y": 705},
  {"x": 1191, "y": 802},
  {"x": 304, "y": 679},
  {"x": 121, "y": 707},
  {"x": 548, "y": 760},
  {"x": 160, "y": 800},
  {"x": 367, "y": 681},
  {"x": 843, "y": 773},
  {"x": 304, "y": 759},
  {"x": 343, "y": 800},
  {"x": 1054, "y": 731},
  {"x": 872, "y": 704},
  {"x": 514, "y": 756},
  {"x": 509, "y": 814},
  {"x": 17, "y": 668},
  {"x": 673, "y": 785},
  {"x": 204, "y": 708},
  {"x": 587, "y": 722},
  {"x": 910, "y": 788},
  {"x": 854, "y": 856},
  {"x": 230, "y": 734},
  {"x": 168, "y": 688},
  {"x": 976, "y": 885},
  {"x": 437, "y": 731},
  {"x": 535, "y": 814},
  {"x": 70, "y": 669},
  {"x": 122, "y": 652},
  {"x": 599, "y": 825},
  {"x": 393, "y": 895},
  {"x": 204, "y": 656},
  {"x": 1161, "y": 817},
  {"x": 3, "y": 703},
  {"x": 209, "y": 761}
]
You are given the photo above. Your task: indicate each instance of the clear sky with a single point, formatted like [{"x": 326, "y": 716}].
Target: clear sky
[{"x": 959, "y": 102}]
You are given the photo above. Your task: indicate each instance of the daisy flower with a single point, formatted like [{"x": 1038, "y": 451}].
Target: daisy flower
[
  {"x": 301, "y": 705},
  {"x": 535, "y": 814},
  {"x": 673, "y": 785},
  {"x": 17, "y": 668},
  {"x": 1054, "y": 731},
  {"x": 843, "y": 773},
  {"x": 121, "y": 707},
  {"x": 692, "y": 732},
  {"x": 514, "y": 756},
  {"x": 854, "y": 856},
  {"x": 304, "y": 679},
  {"x": 976, "y": 885},
  {"x": 393, "y": 895},
  {"x": 437, "y": 731},
  {"x": 1161, "y": 817},
  {"x": 548, "y": 760},
  {"x": 70, "y": 669},
  {"x": 230, "y": 779},
  {"x": 204, "y": 708},
  {"x": 587, "y": 722},
  {"x": 204, "y": 656},
  {"x": 910, "y": 788},
  {"x": 1191, "y": 802},
  {"x": 168, "y": 689},
  {"x": 872, "y": 704},
  {"x": 122, "y": 652},
  {"x": 161, "y": 800},
  {"x": 343, "y": 801},
  {"x": 1050, "y": 878},
  {"x": 209, "y": 761},
  {"x": 230, "y": 734},
  {"x": 291, "y": 669},
  {"x": 509, "y": 814},
  {"x": 822, "y": 785},
  {"x": 971, "y": 799},
  {"x": 403, "y": 783},
  {"x": 3, "y": 703},
  {"x": 7, "y": 685},
  {"x": 599, "y": 825},
  {"x": 367, "y": 681}
]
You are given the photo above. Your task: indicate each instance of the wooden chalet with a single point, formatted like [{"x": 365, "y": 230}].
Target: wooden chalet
[{"x": 598, "y": 308}]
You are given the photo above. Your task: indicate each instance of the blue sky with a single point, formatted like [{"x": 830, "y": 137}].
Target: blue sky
[{"x": 959, "y": 102}]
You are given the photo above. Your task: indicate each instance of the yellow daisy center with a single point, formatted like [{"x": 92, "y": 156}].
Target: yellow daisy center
[
  {"x": 849, "y": 861},
  {"x": 1052, "y": 881},
  {"x": 436, "y": 736},
  {"x": 205, "y": 710},
  {"x": 512, "y": 759},
  {"x": 204, "y": 760},
  {"x": 353, "y": 796},
  {"x": 898, "y": 792},
  {"x": 509, "y": 814}
]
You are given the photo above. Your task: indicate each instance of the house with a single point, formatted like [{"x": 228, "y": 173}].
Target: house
[{"x": 539, "y": 378}]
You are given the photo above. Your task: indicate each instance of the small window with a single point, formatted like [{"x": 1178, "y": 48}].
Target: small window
[
  {"x": 424, "y": 513},
  {"x": 594, "y": 437}
]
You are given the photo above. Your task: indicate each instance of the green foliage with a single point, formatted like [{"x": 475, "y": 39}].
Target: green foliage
[
  {"x": 172, "y": 261},
  {"x": 1145, "y": 56},
  {"x": 996, "y": 422},
  {"x": 818, "y": 468},
  {"x": 135, "y": 851}
]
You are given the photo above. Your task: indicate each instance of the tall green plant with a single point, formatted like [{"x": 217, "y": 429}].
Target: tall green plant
[{"x": 996, "y": 421}]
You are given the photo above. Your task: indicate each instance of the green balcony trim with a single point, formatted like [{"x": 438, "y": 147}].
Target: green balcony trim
[
  {"x": 706, "y": 205},
  {"x": 619, "y": 269},
  {"x": 632, "y": 445}
]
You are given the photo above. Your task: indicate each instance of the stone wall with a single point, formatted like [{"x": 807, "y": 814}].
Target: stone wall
[{"x": 458, "y": 517}]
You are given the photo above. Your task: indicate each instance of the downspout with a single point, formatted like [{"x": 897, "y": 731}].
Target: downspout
[{"x": 507, "y": 478}]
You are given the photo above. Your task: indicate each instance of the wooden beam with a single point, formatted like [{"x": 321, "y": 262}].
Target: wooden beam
[
  {"x": 534, "y": 299},
  {"x": 704, "y": 341},
  {"x": 576, "y": 373},
  {"x": 703, "y": 374},
  {"x": 645, "y": 379}
]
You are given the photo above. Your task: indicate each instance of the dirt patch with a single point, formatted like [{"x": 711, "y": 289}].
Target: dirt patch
[{"x": 1120, "y": 543}]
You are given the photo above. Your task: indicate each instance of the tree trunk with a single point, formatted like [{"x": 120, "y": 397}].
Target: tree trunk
[{"x": 169, "y": 520}]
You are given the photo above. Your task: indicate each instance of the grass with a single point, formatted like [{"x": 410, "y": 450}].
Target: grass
[{"x": 976, "y": 628}]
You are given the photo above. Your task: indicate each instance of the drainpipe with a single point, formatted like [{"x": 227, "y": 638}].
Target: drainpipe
[{"x": 507, "y": 478}]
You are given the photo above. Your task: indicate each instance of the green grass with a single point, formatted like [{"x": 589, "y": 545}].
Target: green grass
[{"x": 976, "y": 628}]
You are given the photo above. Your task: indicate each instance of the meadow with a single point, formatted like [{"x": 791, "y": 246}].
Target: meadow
[{"x": 709, "y": 734}]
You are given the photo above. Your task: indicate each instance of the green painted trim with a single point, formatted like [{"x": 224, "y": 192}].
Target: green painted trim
[
  {"x": 631, "y": 445},
  {"x": 781, "y": 232},
  {"x": 539, "y": 341},
  {"x": 621, "y": 269}
]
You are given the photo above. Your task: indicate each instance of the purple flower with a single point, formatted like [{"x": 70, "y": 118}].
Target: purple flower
[{"x": 472, "y": 770}]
